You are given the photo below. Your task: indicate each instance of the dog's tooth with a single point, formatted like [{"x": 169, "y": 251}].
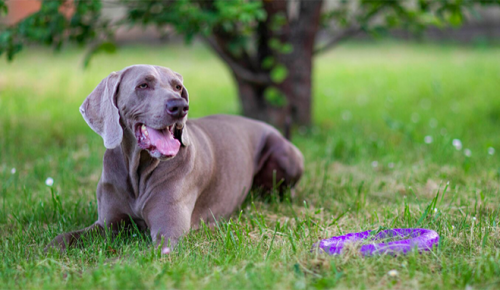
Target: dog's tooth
[
  {"x": 144, "y": 130},
  {"x": 180, "y": 126}
]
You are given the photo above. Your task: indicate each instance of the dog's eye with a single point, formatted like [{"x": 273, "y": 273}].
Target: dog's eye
[
  {"x": 143, "y": 86},
  {"x": 178, "y": 87}
]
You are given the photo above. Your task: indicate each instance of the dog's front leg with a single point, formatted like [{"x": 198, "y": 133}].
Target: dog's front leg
[
  {"x": 167, "y": 222},
  {"x": 71, "y": 239}
]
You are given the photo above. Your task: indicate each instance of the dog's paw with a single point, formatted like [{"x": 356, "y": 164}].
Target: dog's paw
[{"x": 60, "y": 243}]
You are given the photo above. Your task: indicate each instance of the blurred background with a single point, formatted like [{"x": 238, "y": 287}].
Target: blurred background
[{"x": 483, "y": 25}]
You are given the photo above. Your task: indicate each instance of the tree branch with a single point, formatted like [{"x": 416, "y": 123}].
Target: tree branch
[
  {"x": 362, "y": 15},
  {"x": 238, "y": 70},
  {"x": 349, "y": 32}
]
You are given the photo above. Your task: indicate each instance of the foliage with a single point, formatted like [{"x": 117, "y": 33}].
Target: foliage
[
  {"x": 259, "y": 40},
  {"x": 237, "y": 20},
  {"x": 50, "y": 27}
]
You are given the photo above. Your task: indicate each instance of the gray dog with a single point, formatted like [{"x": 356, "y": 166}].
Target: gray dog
[{"x": 166, "y": 173}]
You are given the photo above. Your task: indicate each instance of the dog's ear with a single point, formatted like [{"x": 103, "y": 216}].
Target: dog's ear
[
  {"x": 185, "y": 94},
  {"x": 184, "y": 134},
  {"x": 100, "y": 112}
]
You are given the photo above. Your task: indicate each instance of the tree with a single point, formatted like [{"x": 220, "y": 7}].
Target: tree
[{"x": 268, "y": 45}]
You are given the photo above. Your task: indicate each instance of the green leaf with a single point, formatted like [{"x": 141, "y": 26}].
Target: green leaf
[
  {"x": 392, "y": 20},
  {"x": 277, "y": 22},
  {"x": 274, "y": 44},
  {"x": 279, "y": 73},
  {"x": 107, "y": 47},
  {"x": 286, "y": 48},
  {"x": 456, "y": 18},
  {"x": 3, "y": 8},
  {"x": 268, "y": 62},
  {"x": 275, "y": 97},
  {"x": 5, "y": 36}
]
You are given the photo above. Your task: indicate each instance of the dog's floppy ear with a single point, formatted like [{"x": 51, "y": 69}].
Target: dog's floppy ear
[
  {"x": 184, "y": 93},
  {"x": 185, "y": 133},
  {"x": 100, "y": 111}
]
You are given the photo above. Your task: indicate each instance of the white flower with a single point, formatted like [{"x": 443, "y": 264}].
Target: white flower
[
  {"x": 467, "y": 152},
  {"x": 362, "y": 100},
  {"x": 435, "y": 210},
  {"x": 425, "y": 104},
  {"x": 453, "y": 227},
  {"x": 491, "y": 150},
  {"x": 346, "y": 115},
  {"x": 415, "y": 117},
  {"x": 391, "y": 164},
  {"x": 428, "y": 139},
  {"x": 49, "y": 181},
  {"x": 474, "y": 218},
  {"x": 457, "y": 144},
  {"x": 374, "y": 164},
  {"x": 393, "y": 273},
  {"x": 13, "y": 171}
]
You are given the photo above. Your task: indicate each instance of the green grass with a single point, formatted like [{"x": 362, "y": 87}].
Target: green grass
[{"x": 373, "y": 105}]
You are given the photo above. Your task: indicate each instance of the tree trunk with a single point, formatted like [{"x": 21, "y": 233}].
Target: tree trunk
[
  {"x": 253, "y": 79},
  {"x": 255, "y": 106},
  {"x": 296, "y": 87}
]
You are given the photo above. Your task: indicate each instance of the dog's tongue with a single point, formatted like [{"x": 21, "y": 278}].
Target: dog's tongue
[{"x": 164, "y": 141}]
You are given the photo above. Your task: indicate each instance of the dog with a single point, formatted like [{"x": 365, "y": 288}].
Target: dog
[{"x": 166, "y": 173}]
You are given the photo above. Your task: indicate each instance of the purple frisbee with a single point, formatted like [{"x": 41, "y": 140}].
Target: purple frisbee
[{"x": 419, "y": 239}]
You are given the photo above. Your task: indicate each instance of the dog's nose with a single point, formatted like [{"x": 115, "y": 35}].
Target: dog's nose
[{"x": 177, "y": 108}]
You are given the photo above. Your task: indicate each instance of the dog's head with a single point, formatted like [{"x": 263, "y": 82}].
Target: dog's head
[{"x": 150, "y": 101}]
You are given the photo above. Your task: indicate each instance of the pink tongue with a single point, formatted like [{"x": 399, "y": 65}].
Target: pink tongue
[{"x": 164, "y": 141}]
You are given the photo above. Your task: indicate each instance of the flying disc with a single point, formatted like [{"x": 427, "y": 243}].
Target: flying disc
[{"x": 410, "y": 239}]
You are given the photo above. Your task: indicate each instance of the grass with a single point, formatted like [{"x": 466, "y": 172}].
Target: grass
[{"x": 367, "y": 167}]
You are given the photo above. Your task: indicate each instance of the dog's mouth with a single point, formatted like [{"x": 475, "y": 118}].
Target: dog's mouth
[{"x": 161, "y": 143}]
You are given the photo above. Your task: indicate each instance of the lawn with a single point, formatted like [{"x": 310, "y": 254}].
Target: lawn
[{"x": 397, "y": 126}]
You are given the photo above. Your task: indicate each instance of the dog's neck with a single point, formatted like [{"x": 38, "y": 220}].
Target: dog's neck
[{"x": 139, "y": 163}]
